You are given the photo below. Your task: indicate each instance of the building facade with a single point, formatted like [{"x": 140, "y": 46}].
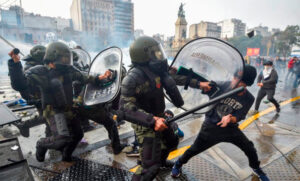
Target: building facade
[
  {"x": 204, "y": 29},
  {"x": 261, "y": 30},
  {"x": 231, "y": 28},
  {"x": 123, "y": 25},
  {"x": 109, "y": 20},
  {"x": 18, "y": 25}
]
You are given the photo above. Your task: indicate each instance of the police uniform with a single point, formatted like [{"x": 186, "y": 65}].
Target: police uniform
[
  {"x": 142, "y": 97},
  {"x": 99, "y": 114},
  {"x": 56, "y": 89},
  {"x": 34, "y": 58}
]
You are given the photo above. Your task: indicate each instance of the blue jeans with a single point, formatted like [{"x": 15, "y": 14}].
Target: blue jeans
[{"x": 296, "y": 81}]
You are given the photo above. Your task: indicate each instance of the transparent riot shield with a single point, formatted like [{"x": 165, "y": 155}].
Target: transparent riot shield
[
  {"x": 207, "y": 59},
  {"x": 108, "y": 59},
  {"x": 84, "y": 59}
]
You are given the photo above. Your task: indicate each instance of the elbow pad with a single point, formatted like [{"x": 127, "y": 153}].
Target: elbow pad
[{"x": 172, "y": 90}]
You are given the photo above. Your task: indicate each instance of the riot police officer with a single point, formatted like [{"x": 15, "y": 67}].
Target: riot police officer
[
  {"x": 54, "y": 80},
  {"x": 142, "y": 102},
  {"x": 34, "y": 58}
]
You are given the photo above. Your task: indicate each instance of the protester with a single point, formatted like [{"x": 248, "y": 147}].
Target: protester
[{"x": 267, "y": 80}]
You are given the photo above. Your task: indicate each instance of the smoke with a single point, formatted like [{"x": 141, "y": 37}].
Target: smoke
[
  {"x": 6, "y": 48},
  {"x": 25, "y": 49}
]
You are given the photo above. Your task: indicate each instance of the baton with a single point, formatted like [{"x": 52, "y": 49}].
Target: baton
[
  {"x": 120, "y": 115},
  {"x": 10, "y": 44},
  {"x": 210, "y": 102}
]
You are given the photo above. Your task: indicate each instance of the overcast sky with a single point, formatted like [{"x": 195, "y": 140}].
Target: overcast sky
[{"x": 159, "y": 16}]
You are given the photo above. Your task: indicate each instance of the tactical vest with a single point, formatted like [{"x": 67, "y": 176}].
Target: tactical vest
[
  {"x": 149, "y": 92},
  {"x": 43, "y": 76}
]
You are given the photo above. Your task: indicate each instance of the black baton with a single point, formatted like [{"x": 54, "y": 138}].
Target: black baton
[{"x": 210, "y": 102}]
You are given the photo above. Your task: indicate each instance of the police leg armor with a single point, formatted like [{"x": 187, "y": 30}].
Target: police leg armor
[
  {"x": 76, "y": 135},
  {"x": 151, "y": 157},
  {"x": 102, "y": 117},
  {"x": 113, "y": 134},
  {"x": 59, "y": 139}
]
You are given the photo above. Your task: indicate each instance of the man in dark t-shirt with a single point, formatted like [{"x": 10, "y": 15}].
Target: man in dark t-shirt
[{"x": 221, "y": 125}]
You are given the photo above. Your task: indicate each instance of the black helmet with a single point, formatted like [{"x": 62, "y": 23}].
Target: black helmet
[
  {"x": 58, "y": 53},
  {"x": 144, "y": 49},
  {"x": 37, "y": 54}
]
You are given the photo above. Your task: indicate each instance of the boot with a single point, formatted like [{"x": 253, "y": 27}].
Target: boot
[
  {"x": 176, "y": 170},
  {"x": 40, "y": 153},
  {"x": 262, "y": 176},
  {"x": 23, "y": 129},
  {"x": 119, "y": 148}
]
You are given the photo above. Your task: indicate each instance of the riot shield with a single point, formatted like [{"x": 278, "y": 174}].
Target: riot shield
[
  {"x": 84, "y": 59},
  {"x": 208, "y": 59},
  {"x": 108, "y": 59}
]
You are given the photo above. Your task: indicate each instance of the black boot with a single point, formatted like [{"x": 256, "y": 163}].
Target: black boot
[
  {"x": 26, "y": 125},
  {"x": 23, "y": 129},
  {"x": 118, "y": 149},
  {"x": 40, "y": 153}
]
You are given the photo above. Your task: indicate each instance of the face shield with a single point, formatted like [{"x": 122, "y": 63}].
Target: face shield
[
  {"x": 65, "y": 58},
  {"x": 65, "y": 62},
  {"x": 157, "y": 53},
  {"x": 158, "y": 60}
]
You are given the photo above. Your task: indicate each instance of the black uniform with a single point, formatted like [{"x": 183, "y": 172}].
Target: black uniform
[
  {"x": 100, "y": 114},
  {"x": 142, "y": 97},
  {"x": 57, "y": 101},
  {"x": 268, "y": 88},
  {"x": 34, "y": 98},
  {"x": 211, "y": 134}
]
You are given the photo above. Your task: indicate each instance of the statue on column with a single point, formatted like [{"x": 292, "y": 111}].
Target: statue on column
[{"x": 181, "y": 12}]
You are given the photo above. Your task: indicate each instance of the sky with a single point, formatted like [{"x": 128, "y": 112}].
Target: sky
[{"x": 159, "y": 16}]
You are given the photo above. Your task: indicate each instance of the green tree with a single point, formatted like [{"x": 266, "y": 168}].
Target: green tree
[
  {"x": 243, "y": 42},
  {"x": 284, "y": 40}
]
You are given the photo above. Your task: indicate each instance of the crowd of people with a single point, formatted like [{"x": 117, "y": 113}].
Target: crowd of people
[
  {"x": 288, "y": 68},
  {"x": 48, "y": 82},
  {"x": 272, "y": 70}
]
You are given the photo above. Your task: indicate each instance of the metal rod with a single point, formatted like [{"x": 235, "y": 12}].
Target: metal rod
[
  {"x": 210, "y": 102},
  {"x": 10, "y": 44}
]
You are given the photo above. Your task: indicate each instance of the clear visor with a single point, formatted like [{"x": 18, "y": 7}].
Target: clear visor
[
  {"x": 66, "y": 59},
  {"x": 157, "y": 53}
]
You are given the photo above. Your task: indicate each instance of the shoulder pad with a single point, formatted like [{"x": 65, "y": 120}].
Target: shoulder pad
[
  {"x": 129, "y": 81},
  {"x": 38, "y": 70},
  {"x": 30, "y": 64},
  {"x": 136, "y": 72}
]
